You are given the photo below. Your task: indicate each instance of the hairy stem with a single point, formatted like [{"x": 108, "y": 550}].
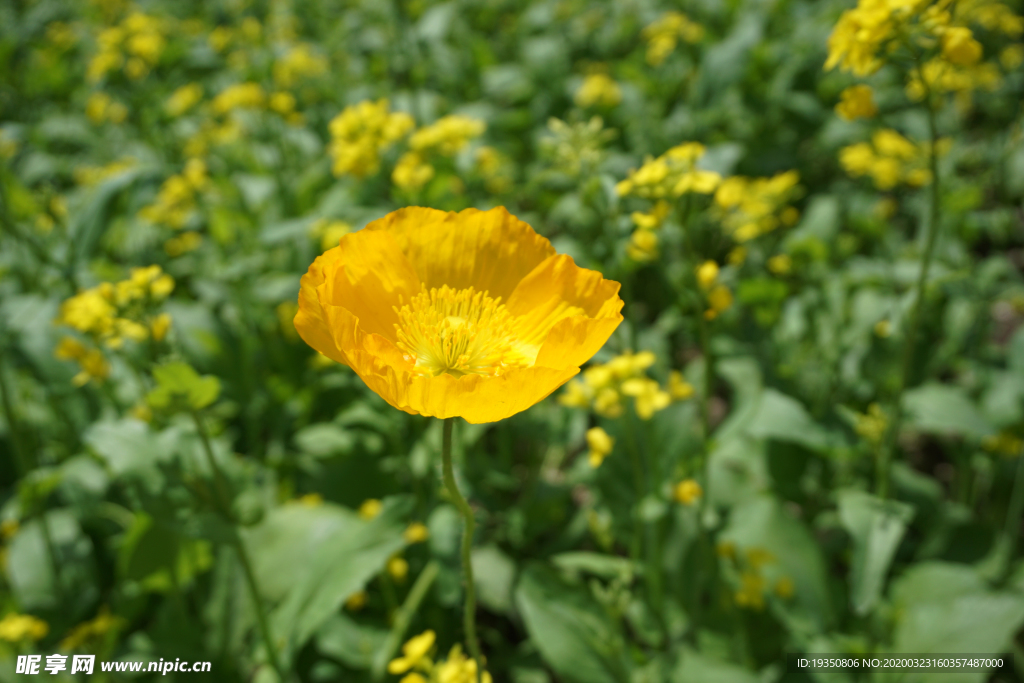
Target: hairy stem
[{"x": 469, "y": 615}]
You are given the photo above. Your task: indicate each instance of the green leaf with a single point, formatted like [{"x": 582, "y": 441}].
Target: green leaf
[
  {"x": 944, "y": 410},
  {"x": 324, "y": 439},
  {"x": 350, "y": 643},
  {"x": 694, "y": 666},
  {"x": 574, "y": 635},
  {"x": 762, "y": 522},
  {"x": 494, "y": 572},
  {"x": 947, "y": 608},
  {"x": 783, "y": 418},
  {"x": 877, "y": 527},
  {"x": 339, "y": 558},
  {"x": 31, "y": 566},
  {"x": 737, "y": 471},
  {"x": 178, "y": 383},
  {"x": 598, "y": 564}
]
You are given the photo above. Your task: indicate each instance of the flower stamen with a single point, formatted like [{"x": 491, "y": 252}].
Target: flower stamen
[{"x": 459, "y": 332}]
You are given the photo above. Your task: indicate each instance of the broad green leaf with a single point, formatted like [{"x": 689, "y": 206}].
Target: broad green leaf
[
  {"x": 573, "y": 633},
  {"x": 350, "y": 643},
  {"x": 494, "y": 572},
  {"x": 340, "y": 563},
  {"x": 694, "y": 666},
  {"x": 30, "y": 565},
  {"x": 944, "y": 410},
  {"x": 126, "y": 445},
  {"x": 324, "y": 439},
  {"x": 763, "y": 523},
  {"x": 877, "y": 527},
  {"x": 737, "y": 471},
  {"x": 946, "y": 608},
  {"x": 783, "y": 418}
]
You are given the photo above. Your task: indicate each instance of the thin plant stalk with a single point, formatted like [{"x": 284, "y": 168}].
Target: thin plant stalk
[
  {"x": 932, "y": 226},
  {"x": 243, "y": 555},
  {"x": 403, "y": 617},
  {"x": 469, "y": 615},
  {"x": 1014, "y": 511}
]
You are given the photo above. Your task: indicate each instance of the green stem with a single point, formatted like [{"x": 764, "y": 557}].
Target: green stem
[
  {"x": 261, "y": 612},
  {"x": 882, "y": 481},
  {"x": 403, "y": 617},
  {"x": 243, "y": 555},
  {"x": 13, "y": 427},
  {"x": 636, "y": 460},
  {"x": 1014, "y": 511},
  {"x": 469, "y": 615}
]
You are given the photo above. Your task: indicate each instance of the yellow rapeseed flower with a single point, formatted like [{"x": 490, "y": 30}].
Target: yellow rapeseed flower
[
  {"x": 960, "y": 47},
  {"x": 398, "y": 568},
  {"x": 468, "y": 314},
  {"x": 780, "y": 264},
  {"x": 447, "y": 135},
  {"x": 15, "y": 628},
  {"x": 183, "y": 99},
  {"x": 857, "y": 102},
  {"x": 707, "y": 274},
  {"x": 687, "y": 492},
  {"x": 370, "y": 508},
  {"x": 412, "y": 172},
  {"x": 356, "y": 601},
  {"x": 361, "y": 132},
  {"x": 600, "y": 445},
  {"x": 459, "y": 669},
  {"x": 416, "y": 532},
  {"x": 598, "y": 89},
  {"x": 414, "y": 651},
  {"x": 663, "y": 35}
]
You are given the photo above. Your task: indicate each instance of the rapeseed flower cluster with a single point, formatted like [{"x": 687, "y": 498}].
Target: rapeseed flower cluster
[
  {"x": 446, "y": 137},
  {"x": 110, "y": 313},
  {"x": 14, "y": 628},
  {"x": 239, "y": 96},
  {"x": 92, "y": 175},
  {"x": 664, "y": 34},
  {"x": 183, "y": 99},
  {"x": 672, "y": 174},
  {"x": 865, "y": 37},
  {"x": 299, "y": 62},
  {"x": 361, "y": 133},
  {"x": 329, "y": 232},
  {"x": 600, "y": 444},
  {"x": 643, "y": 244},
  {"x": 872, "y": 425},
  {"x": 857, "y": 102},
  {"x": 717, "y": 295},
  {"x": 495, "y": 168},
  {"x": 575, "y": 148},
  {"x": 750, "y": 207},
  {"x": 603, "y": 387},
  {"x": 889, "y": 159},
  {"x": 135, "y": 44},
  {"x": 416, "y": 663},
  {"x": 101, "y": 107},
  {"x": 1004, "y": 443},
  {"x": 88, "y": 633},
  {"x": 753, "y": 586},
  {"x": 176, "y": 199},
  {"x": 598, "y": 89}
]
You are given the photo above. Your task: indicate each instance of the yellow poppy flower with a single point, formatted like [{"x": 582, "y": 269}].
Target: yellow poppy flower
[{"x": 468, "y": 314}]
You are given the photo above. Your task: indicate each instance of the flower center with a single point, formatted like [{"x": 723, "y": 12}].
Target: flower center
[{"x": 458, "y": 331}]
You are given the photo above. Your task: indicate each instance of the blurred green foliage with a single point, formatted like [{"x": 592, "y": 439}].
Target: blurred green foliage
[{"x": 182, "y": 477}]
